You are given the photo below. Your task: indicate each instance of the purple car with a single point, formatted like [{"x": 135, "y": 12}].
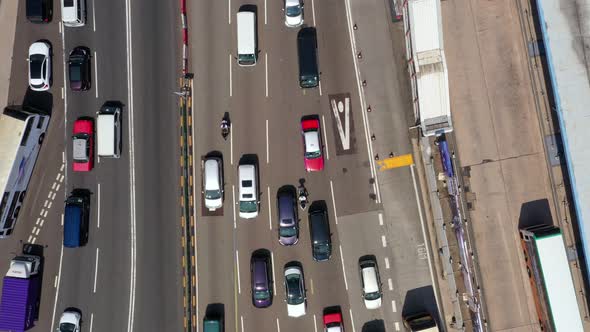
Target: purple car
[
  {"x": 260, "y": 270},
  {"x": 288, "y": 218}
]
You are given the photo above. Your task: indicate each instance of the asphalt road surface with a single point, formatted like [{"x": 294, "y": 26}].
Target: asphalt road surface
[{"x": 265, "y": 106}]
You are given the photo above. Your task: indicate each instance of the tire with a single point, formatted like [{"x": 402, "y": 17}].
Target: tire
[
  {"x": 41, "y": 138},
  {"x": 21, "y": 197}
]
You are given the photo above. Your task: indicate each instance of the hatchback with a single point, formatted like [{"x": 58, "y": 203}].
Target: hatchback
[
  {"x": 288, "y": 218},
  {"x": 40, "y": 66},
  {"x": 213, "y": 183},
  {"x": 70, "y": 321},
  {"x": 83, "y": 145},
  {"x": 79, "y": 69},
  {"x": 313, "y": 155},
  {"x": 260, "y": 271},
  {"x": 294, "y": 291},
  {"x": 370, "y": 282},
  {"x": 293, "y": 13}
]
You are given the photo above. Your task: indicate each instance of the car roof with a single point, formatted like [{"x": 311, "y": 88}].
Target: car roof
[
  {"x": 212, "y": 174},
  {"x": 332, "y": 318},
  {"x": 319, "y": 225},
  {"x": 292, "y": 2},
  {"x": 247, "y": 172},
  {"x": 82, "y": 126},
  {"x": 308, "y": 124},
  {"x": 312, "y": 141},
  {"x": 79, "y": 148},
  {"x": 260, "y": 273},
  {"x": 286, "y": 207},
  {"x": 370, "y": 279}
]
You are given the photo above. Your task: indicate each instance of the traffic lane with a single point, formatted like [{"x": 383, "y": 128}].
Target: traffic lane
[
  {"x": 156, "y": 68},
  {"x": 216, "y": 274},
  {"x": 360, "y": 236}
]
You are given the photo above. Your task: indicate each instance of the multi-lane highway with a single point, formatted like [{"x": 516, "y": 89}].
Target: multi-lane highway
[{"x": 265, "y": 105}]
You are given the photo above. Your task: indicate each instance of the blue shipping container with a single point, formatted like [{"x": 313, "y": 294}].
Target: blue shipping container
[{"x": 18, "y": 307}]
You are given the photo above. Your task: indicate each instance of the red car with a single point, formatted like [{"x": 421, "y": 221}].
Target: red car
[
  {"x": 333, "y": 322},
  {"x": 313, "y": 155},
  {"x": 83, "y": 145}
]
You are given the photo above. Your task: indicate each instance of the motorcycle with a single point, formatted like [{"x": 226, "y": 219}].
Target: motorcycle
[
  {"x": 224, "y": 129},
  {"x": 302, "y": 198}
]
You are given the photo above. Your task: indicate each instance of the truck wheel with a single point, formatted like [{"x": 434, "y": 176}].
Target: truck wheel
[{"x": 41, "y": 138}]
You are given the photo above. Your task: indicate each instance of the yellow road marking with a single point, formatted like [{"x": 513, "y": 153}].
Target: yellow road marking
[{"x": 395, "y": 162}]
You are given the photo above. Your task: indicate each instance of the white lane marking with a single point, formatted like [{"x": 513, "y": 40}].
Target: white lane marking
[
  {"x": 34, "y": 229},
  {"x": 238, "y": 269},
  {"x": 278, "y": 326},
  {"x": 380, "y": 219},
  {"x": 274, "y": 284},
  {"x": 387, "y": 263},
  {"x": 231, "y": 144},
  {"x": 363, "y": 103},
  {"x": 37, "y": 232},
  {"x": 315, "y": 323},
  {"x": 95, "y": 271},
  {"x": 343, "y": 269},
  {"x": 45, "y": 214},
  {"x": 269, "y": 210},
  {"x": 60, "y": 27},
  {"x": 265, "y": 12},
  {"x": 325, "y": 137},
  {"x": 98, "y": 210},
  {"x": 53, "y": 185},
  {"x": 242, "y": 322},
  {"x": 62, "y": 93},
  {"x": 228, "y": 11},
  {"x": 397, "y": 326},
  {"x": 62, "y": 219},
  {"x": 423, "y": 230},
  {"x": 266, "y": 71},
  {"x": 352, "y": 320},
  {"x": 63, "y": 49},
  {"x": 393, "y": 306},
  {"x": 58, "y": 185},
  {"x": 320, "y": 86},
  {"x": 49, "y": 205},
  {"x": 61, "y": 168},
  {"x": 230, "y": 76},
  {"x": 98, "y": 157},
  {"x": 93, "y": 16},
  {"x": 95, "y": 74},
  {"x": 313, "y": 11},
  {"x": 267, "y": 156},
  {"x": 390, "y": 284},
  {"x": 233, "y": 195},
  {"x": 61, "y": 256},
  {"x": 55, "y": 282},
  {"x": 383, "y": 241},
  {"x": 333, "y": 202},
  {"x": 132, "y": 221},
  {"x": 38, "y": 221},
  {"x": 42, "y": 222},
  {"x": 33, "y": 240},
  {"x": 91, "y": 314},
  {"x": 311, "y": 285},
  {"x": 30, "y": 238}
]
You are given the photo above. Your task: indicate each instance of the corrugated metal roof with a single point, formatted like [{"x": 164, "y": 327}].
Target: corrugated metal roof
[
  {"x": 426, "y": 25},
  {"x": 565, "y": 27},
  {"x": 11, "y": 130}
]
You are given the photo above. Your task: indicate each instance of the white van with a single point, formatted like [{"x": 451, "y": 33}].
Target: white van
[
  {"x": 247, "y": 48},
  {"x": 248, "y": 191},
  {"x": 108, "y": 131},
  {"x": 73, "y": 12},
  {"x": 213, "y": 183}
]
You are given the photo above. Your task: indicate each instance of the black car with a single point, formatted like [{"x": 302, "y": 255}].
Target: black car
[
  {"x": 79, "y": 69},
  {"x": 319, "y": 231},
  {"x": 39, "y": 11}
]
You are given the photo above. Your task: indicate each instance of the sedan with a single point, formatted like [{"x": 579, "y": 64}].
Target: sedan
[
  {"x": 312, "y": 144},
  {"x": 79, "y": 69},
  {"x": 69, "y": 321},
  {"x": 295, "y": 291},
  {"x": 293, "y": 13},
  {"x": 333, "y": 322},
  {"x": 39, "y": 66},
  {"x": 83, "y": 145}
]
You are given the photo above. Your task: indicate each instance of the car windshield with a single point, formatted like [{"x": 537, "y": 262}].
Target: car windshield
[
  {"x": 294, "y": 295},
  {"x": 36, "y": 63},
  {"x": 212, "y": 194},
  {"x": 372, "y": 296},
  {"x": 261, "y": 294},
  {"x": 293, "y": 11},
  {"x": 288, "y": 231},
  {"x": 248, "y": 206},
  {"x": 333, "y": 324},
  {"x": 67, "y": 327},
  {"x": 75, "y": 73},
  {"x": 321, "y": 248}
]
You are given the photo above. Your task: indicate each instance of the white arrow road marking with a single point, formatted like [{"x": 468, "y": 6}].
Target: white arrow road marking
[{"x": 342, "y": 108}]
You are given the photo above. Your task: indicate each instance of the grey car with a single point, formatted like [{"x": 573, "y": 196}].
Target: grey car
[{"x": 288, "y": 217}]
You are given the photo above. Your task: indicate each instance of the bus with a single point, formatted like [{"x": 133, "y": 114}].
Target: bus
[
  {"x": 551, "y": 279},
  {"x": 22, "y": 131}
]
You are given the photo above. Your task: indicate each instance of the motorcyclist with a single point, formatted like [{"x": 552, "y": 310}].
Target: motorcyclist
[{"x": 224, "y": 124}]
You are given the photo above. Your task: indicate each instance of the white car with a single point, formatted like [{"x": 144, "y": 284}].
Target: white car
[
  {"x": 213, "y": 183},
  {"x": 39, "y": 66},
  {"x": 293, "y": 13},
  {"x": 370, "y": 283},
  {"x": 247, "y": 191},
  {"x": 69, "y": 321},
  {"x": 295, "y": 291}
]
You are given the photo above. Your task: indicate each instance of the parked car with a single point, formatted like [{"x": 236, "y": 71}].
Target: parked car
[
  {"x": 79, "y": 69},
  {"x": 333, "y": 322},
  {"x": 288, "y": 218},
  {"x": 40, "y": 66},
  {"x": 295, "y": 291},
  {"x": 313, "y": 155},
  {"x": 260, "y": 271},
  {"x": 83, "y": 145},
  {"x": 370, "y": 282},
  {"x": 70, "y": 321},
  {"x": 293, "y": 13}
]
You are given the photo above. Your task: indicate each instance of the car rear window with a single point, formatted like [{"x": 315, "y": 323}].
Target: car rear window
[
  {"x": 68, "y": 3},
  {"x": 246, "y": 183}
]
